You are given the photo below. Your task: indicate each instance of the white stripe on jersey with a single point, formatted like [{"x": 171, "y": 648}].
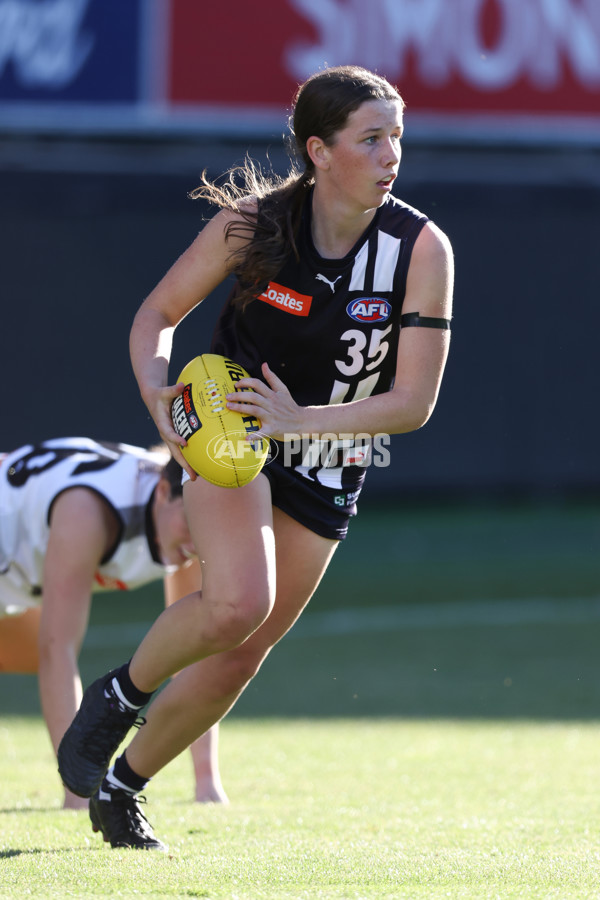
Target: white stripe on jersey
[
  {"x": 388, "y": 250},
  {"x": 357, "y": 282}
]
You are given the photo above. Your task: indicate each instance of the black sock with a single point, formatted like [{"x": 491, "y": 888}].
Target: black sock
[
  {"x": 121, "y": 777},
  {"x": 126, "y": 690}
]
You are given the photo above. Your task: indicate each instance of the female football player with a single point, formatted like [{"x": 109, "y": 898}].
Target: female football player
[
  {"x": 78, "y": 516},
  {"x": 360, "y": 351}
]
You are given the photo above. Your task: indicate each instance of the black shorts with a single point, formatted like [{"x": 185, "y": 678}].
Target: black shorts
[{"x": 324, "y": 510}]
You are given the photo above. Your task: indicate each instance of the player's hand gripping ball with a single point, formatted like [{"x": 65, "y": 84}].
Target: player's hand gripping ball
[{"x": 217, "y": 446}]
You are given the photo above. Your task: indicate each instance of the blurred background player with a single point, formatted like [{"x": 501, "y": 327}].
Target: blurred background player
[{"x": 79, "y": 516}]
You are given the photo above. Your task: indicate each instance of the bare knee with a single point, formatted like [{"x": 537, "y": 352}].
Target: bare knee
[
  {"x": 219, "y": 679},
  {"x": 237, "y": 622},
  {"x": 237, "y": 668},
  {"x": 236, "y": 617}
]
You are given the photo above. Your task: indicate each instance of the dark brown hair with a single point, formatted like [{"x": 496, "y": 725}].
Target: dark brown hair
[
  {"x": 172, "y": 473},
  {"x": 269, "y": 227}
]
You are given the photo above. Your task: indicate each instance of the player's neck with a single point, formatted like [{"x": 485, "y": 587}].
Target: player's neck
[{"x": 335, "y": 228}]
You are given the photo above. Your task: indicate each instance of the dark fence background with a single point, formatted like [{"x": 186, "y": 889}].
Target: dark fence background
[{"x": 86, "y": 230}]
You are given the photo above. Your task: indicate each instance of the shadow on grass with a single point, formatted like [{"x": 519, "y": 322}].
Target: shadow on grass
[
  {"x": 27, "y": 810},
  {"x": 31, "y": 851},
  {"x": 47, "y": 851}
]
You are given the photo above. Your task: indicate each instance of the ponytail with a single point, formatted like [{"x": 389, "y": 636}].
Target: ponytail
[{"x": 268, "y": 229}]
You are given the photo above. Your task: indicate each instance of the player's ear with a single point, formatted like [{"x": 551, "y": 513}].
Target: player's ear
[
  {"x": 163, "y": 490},
  {"x": 318, "y": 152}
]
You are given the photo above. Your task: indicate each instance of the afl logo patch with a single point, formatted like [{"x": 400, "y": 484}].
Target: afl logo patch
[{"x": 369, "y": 309}]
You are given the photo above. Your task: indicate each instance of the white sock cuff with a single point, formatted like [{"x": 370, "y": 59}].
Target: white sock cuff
[
  {"x": 121, "y": 696},
  {"x": 115, "y": 783}
]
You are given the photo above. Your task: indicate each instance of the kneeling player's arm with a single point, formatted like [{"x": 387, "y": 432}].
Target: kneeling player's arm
[{"x": 81, "y": 532}]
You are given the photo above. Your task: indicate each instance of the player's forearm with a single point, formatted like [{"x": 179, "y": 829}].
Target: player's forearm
[
  {"x": 150, "y": 344},
  {"x": 383, "y": 414},
  {"x": 60, "y": 695},
  {"x": 60, "y": 691}
]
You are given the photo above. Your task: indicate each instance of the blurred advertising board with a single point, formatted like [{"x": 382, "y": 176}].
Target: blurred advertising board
[
  {"x": 75, "y": 65},
  {"x": 489, "y": 69}
]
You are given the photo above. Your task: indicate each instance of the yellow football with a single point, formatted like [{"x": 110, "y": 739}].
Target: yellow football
[{"x": 217, "y": 446}]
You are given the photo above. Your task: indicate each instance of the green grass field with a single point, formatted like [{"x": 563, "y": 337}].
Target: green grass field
[{"x": 429, "y": 729}]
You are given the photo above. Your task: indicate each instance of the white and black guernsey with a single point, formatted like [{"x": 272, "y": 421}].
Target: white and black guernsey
[{"x": 329, "y": 329}]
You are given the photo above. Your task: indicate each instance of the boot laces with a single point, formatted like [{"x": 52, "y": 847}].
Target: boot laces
[{"x": 136, "y": 819}]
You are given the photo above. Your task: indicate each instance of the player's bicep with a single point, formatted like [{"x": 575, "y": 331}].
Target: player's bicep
[
  {"x": 205, "y": 264},
  {"x": 430, "y": 280},
  {"x": 427, "y": 310}
]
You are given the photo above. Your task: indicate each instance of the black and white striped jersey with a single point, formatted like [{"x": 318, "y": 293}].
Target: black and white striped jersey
[
  {"x": 329, "y": 328},
  {"x": 33, "y": 476}
]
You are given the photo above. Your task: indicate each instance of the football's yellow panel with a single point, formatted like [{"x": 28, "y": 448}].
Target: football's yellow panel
[{"x": 217, "y": 446}]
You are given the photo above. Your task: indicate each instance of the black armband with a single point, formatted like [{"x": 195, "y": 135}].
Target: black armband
[{"x": 415, "y": 320}]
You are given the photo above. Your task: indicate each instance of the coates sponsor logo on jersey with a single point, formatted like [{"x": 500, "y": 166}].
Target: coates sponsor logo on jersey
[
  {"x": 286, "y": 299},
  {"x": 369, "y": 309}
]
